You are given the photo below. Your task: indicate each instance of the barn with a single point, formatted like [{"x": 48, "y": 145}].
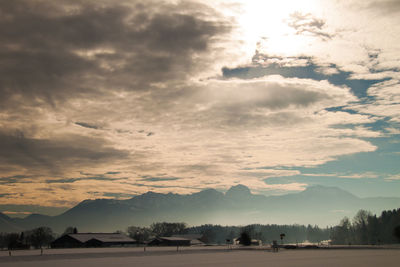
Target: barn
[
  {"x": 195, "y": 239},
  {"x": 169, "y": 241},
  {"x": 92, "y": 240}
]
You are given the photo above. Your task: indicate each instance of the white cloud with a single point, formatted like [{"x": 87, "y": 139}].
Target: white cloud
[
  {"x": 150, "y": 104},
  {"x": 365, "y": 43},
  {"x": 394, "y": 177},
  {"x": 386, "y": 101},
  {"x": 208, "y": 134},
  {"x": 364, "y": 175}
]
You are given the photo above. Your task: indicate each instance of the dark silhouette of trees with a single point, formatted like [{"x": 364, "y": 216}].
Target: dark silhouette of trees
[
  {"x": 70, "y": 230},
  {"x": 341, "y": 233},
  {"x": 143, "y": 234},
  {"x": 209, "y": 234},
  {"x": 140, "y": 234},
  {"x": 218, "y": 234},
  {"x": 39, "y": 237},
  {"x": 167, "y": 229},
  {"x": 316, "y": 234},
  {"x": 13, "y": 241},
  {"x": 3, "y": 241},
  {"x": 373, "y": 230},
  {"x": 245, "y": 238},
  {"x": 360, "y": 223},
  {"x": 231, "y": 235},
  {"x": 396, "y": 232},
  {"x": 367, "y": 229}
]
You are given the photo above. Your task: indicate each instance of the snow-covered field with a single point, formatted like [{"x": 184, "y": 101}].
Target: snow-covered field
[{"x": 204, "y": 256}]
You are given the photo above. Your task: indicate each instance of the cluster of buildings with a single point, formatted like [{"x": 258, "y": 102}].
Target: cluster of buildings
[{"x": 77, "y": 240}]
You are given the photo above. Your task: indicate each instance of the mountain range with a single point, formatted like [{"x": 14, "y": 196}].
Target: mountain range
[{"x": 317, "y": 205}]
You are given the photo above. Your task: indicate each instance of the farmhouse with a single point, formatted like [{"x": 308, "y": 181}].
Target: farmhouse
[
  {"x": 92, "y": 240},
  {"x": 195, "y": 239},
  {"x": 169, "y": 241}
]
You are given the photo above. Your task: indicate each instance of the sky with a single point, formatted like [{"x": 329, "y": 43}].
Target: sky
[{"x": 111, "y": 99}]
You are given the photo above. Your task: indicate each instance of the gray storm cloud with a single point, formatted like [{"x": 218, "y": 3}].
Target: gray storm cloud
[
  {"x": 54, "y": 51},
  {"x": 134, "y": 93}
]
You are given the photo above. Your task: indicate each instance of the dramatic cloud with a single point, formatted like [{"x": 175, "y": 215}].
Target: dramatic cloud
[
  {"x": 41, "y": 156},
  {"x": 112, "y": 99},
  {"x": 68, "y": 50}
]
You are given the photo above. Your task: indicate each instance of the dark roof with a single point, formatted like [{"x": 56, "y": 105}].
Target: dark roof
[
  {"x": 172, "y": 238},
  {"x": 169, "y": 241},
  {"x": 103, "y": 237},
  {"x": 189, "y": 236}
]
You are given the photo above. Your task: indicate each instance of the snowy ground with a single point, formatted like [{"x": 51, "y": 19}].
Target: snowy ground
[{"x": 200, "y": 256}]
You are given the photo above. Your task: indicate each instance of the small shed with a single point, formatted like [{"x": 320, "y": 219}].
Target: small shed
[
  {"x": 92, "y": 240},
  {"x": 169, "y": 241}
]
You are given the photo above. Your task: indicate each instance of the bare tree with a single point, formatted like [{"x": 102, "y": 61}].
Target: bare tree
[
  {"x": 140, "y": 234},
  {"x": 40, "y": 236},
  {"x": 168, "y": 229},
  {"x": 70, "y": 230}
]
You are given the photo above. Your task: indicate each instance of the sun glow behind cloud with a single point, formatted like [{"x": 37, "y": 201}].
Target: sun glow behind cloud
[
  {"x": 149, "y": 96},
  {"x": 267, "y": 21}
]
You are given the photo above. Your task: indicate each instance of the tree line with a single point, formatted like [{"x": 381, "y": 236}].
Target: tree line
[
  {"x": 368, "y": 229},
  {"x": 364, "y": 229},
  {"x": 37, "y": 238},
  {"x": 217, "y": 234},
  {"x": 143, "y": 234}
]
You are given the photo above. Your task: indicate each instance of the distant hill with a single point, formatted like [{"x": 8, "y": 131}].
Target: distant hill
[
  {"x": 7, "y": 224},
  {"x": 238, "y": 206}
]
